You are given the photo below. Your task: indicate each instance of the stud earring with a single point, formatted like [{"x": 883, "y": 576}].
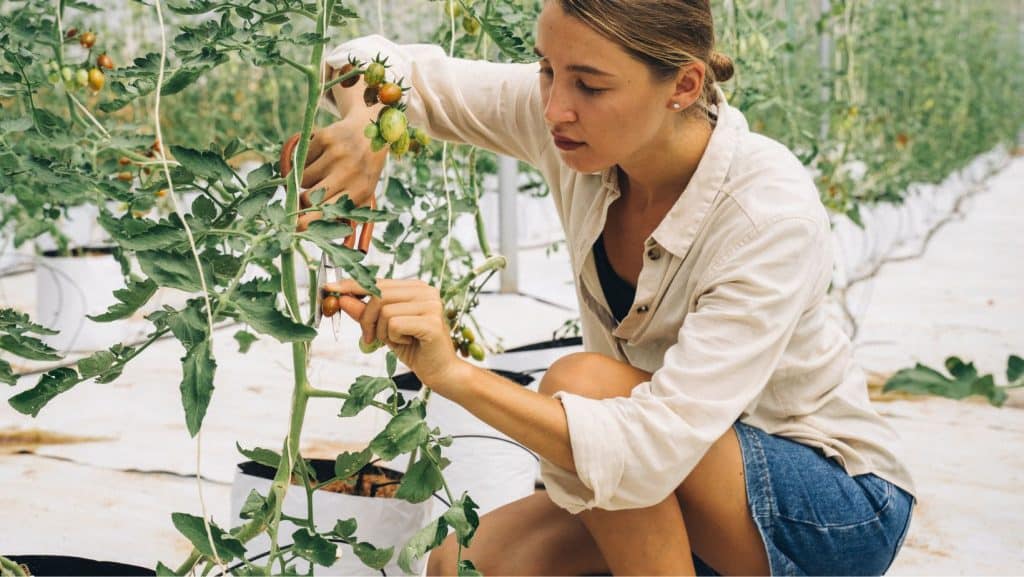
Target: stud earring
[{"x": 676, "y": 106}]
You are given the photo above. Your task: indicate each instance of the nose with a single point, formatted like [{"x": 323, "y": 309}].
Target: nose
[{"x": 558, "y": 107}]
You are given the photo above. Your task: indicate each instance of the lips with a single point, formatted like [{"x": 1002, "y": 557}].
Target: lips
[{"x": 565, "y": 143}]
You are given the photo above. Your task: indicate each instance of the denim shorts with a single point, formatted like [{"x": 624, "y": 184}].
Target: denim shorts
[{"x": 814, "y": 518}]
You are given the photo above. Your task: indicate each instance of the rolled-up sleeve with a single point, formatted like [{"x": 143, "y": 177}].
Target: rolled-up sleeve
[
  {"x": 496, "y": 106},
  {"x": 632, "y": 452}
]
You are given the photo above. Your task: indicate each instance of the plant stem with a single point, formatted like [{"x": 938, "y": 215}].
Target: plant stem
[{"x": 8, "y": 567}]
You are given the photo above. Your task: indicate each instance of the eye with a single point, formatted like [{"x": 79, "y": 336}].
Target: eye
[{"x": 588, "y": 89}]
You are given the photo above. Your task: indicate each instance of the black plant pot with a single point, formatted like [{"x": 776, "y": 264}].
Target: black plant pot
[{"x": 63, "y": 565}]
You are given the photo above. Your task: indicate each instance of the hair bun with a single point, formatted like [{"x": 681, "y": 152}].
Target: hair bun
[{"x": 722, "y": 66}]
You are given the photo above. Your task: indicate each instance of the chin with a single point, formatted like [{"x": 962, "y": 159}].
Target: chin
[{"x": 583, "y": 163}]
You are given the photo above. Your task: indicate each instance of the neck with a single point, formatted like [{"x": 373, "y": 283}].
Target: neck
[{"x": 660, "y": 173}]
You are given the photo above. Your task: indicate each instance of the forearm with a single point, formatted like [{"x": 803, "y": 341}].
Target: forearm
[{"x": 533, "y": 419}]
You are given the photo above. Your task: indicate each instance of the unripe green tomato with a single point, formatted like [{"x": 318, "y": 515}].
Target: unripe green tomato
[
  {"x": 392, "y": 124},
  {"x": 452, "y": 8},
  {"x": 421, "y": 136},
  {"x": 467, "y": 333},
  {"x": 53, "y": 77},
  {"x": 471, "y": 25},
  {"x": 67, "y": 74},
  {"x": 368, "y": 348},
  {"x": 401, "y": 146},
  {"x": 371, "y": 131},
  {"x": 476, "y": 351},
  {"x": 81, "y": 77},
  {"x": 374, "y": 74},
  {"x": 377, "y": 144}
]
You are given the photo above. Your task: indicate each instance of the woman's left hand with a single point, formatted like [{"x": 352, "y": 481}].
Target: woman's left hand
[{"x": 409, "y": 318}]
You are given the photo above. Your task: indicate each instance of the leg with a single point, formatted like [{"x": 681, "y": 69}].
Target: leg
[
  {"x": 531, "y": 536},
  {"x": 708, "y": 512}
]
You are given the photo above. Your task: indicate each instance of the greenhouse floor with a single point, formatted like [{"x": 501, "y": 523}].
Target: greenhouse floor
[{"x": 99, "y": 472}]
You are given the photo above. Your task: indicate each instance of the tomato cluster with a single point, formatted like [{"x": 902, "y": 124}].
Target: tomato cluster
[
  {"x": 464, "y": 339},
  {"x": 86, "y": 75}
]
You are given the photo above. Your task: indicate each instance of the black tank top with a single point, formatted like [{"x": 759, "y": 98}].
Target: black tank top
[{"x": 617, "y": 291}]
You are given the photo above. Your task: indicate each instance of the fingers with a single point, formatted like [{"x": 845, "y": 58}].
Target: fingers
[
  {"x": 403, "y": 330},
  {"x": 393, "y": 312},
  {"x": 306, "y": 218},
  {"x": 398, "y": 297},
  {"x": 351, "y": 306}
]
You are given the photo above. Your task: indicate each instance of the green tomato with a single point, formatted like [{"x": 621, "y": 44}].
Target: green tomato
[
  {"x": 467, "y": 333},
  {"x": 371, "y": 131},
  {"x": 81, "y": 77},
  {"x": 401, "y": 146},
  {"x": 392, "y": 124},
  {"x": 374, "y": 74},
  {"x": 67, "y": 74},
  {"x": 377, "y": 144},
  {"x": 368, "y": 348},
  {"x": 476, "y": 351},
  {"x": 420, "y": 136}
]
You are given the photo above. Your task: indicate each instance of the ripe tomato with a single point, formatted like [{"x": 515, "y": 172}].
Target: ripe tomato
[
  {"x": 124, "y": 161},
  {"x": 370, "y": 95},
  {"x": 392, "y": 124},
  {"x": 104, "y": 61},
  {"x": 87, "y": 39},
  {"x": 71, "y": 33},
  {"x": 330, "y": 306},
  {"x": 374, "y": 74},
  {"x": 124, "y": 176},
  {"x": 348, "y": 67},
  {"x": 389, "y": 93},
  {"x": 96, "y": 79}
]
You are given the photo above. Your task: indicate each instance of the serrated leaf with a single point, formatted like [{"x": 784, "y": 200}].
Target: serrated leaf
[
  {"x": 96, "y": 364},
  {"x": 132, "y": 298},
  {"x": 262, "y": 456},
  {"x": 192, "y": 527},
  {"x": 345, "y": 528},
  {"x": 348, "y": 464},
  {"x": 398, "y": 195},
  {"x": 371, "y": 556},
  {"x": 245, "y": 340},
  {"x": 189, "y": 325},
  {"x": 261, "y": 314},
  {"x": 403, "y": 433},
  {"x": 420, "y": 481},
  {"x": 198, "y": 368},
  {"x": 28, "y": 348},
  {"x": 204, "y": 163},
  {"x": 255, "y": 505},
  {"x": 463, "y": 518},
  {"x": 315, "y": 548},
  {"x": 141, "y": 234},
  {"x": 174, "y": 270},
  {"x": 424, "y": 540},
  {"x": 391, "y": 362},
  {"x": 7, "y": 374},
  {"x": 362, "y": 393},
  {"x": 50, "y": 385}
]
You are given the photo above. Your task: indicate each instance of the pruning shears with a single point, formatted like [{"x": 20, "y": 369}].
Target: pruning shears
[{"x": 365, "y": 234}]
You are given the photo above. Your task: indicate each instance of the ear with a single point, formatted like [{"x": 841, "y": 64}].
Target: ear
[{"x": 689, "y": 85}]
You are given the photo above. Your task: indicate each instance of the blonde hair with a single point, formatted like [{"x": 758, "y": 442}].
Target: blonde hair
[{"x": 664, "y": 34}]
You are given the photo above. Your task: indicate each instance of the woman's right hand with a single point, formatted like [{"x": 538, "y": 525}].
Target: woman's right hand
[{"x": 341, "y": 162}]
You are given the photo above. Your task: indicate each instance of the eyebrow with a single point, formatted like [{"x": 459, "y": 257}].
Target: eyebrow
[{"x": 582, "y": 68}]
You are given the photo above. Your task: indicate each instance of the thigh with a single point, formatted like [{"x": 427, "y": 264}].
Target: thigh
[
  {"x": 531, "y": 536},
  {"x": 717, "y": 514}
]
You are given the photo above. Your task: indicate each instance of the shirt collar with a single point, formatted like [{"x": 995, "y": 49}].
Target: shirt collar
[{"x": 680, "y": 226}]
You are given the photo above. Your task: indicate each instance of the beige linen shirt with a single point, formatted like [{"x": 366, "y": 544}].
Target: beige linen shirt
[{"x": 730, "y": 314}]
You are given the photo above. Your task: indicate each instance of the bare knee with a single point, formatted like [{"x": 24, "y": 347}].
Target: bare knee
[
  {"x": 569, "y": 373},
  {"x": 592, "y": 375},
  {"x": 444, "y": 558}
]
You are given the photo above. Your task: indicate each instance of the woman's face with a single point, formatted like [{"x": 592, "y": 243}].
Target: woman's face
[{"x": 602, "y": 106}]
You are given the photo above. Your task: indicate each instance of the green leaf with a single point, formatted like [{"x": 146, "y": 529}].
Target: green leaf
[
  {"x": 192, "y": 527},
  {"x": 142, "y": 234},
  {"x": 198, "y": 367},
  {"x": 1015, "y": 371},
  {"x": 255, "y": 505},
  {"x": 245, "y": 340},
  {"x": 7, "y": 374},
  {"x": 391, "y": 360},
  {"x": 345, "y": 529},
  {"x": 50, "y": 385},
  {"x": 189, "y": 325},
  {"x": 403, "y": 433},
  {"x": 136, "y": 294},
  {"x": 362, "y": 393},
  {"x": 324, "y": 231},
  {"x": 348, "y": 464},
  {"x": 164, "y": 571},
  {"x": 204, "y": 209},
  {"x": 262, "y": 456},
  {"x": 260, "y": 313},
  {"x": 96, "y": 364},
  {"x": 467, "y": 569},
  {"x": 420, "y": 481},
  {"x": 174, "y": 270},
  {"x": 463, "y": 519},
  {"x": 204, "y": 163},
  {"x": 371, "y": 556},
  {"x": 315, "y": 548},
  {"x": 398, "y": 195},
  {"x": 28, "y": 348},
  {"x": 424, "y": 540}
]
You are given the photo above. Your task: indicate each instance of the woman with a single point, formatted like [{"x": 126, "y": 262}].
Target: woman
[{"x": 716, "y": 421}]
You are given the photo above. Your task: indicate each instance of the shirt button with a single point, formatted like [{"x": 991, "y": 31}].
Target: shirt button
[
  {"x": 654, "y": 253},
  {"x": 643, "y": 309}
]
